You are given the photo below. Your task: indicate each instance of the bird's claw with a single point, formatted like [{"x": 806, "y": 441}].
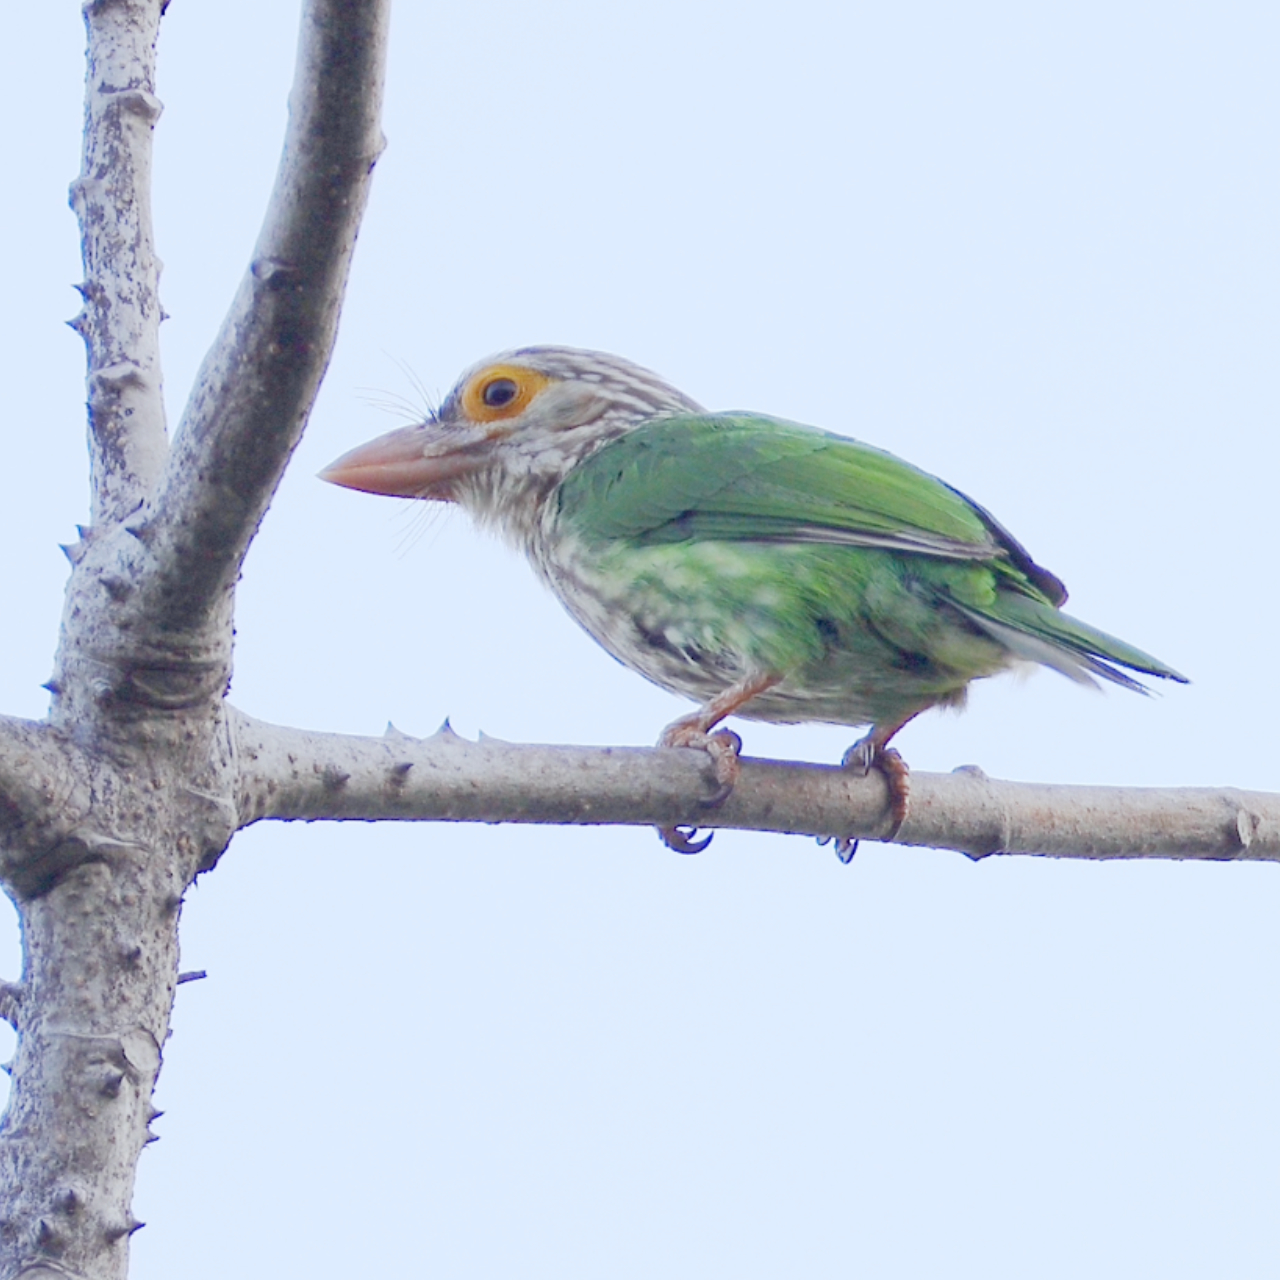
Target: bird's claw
[
  {"x": 681, "y": 839},
  {"x": 724, "y": 747},
  {"x": 846, "y": 847},
  {"x": 867, "y": 754}
]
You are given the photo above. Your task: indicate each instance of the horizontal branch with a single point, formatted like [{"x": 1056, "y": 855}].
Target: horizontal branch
[
  {"x": 258, "y": 382},
  {"x": 120, "y": 320},
  {"x": 292, "y": 774}
]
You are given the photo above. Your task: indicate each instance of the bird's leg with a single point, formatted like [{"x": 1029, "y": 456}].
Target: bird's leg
[
  {"x": 873, "y": 752},
  {"x": 723, "y": 747}
]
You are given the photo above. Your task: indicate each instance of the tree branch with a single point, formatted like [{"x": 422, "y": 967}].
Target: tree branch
[
  {"x": 291, "y": 774},
  {"x": 120, "y": 320},
  {"x": 257, "y": 384}
]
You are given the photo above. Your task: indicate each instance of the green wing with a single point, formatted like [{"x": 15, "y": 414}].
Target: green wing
[{"x": 739, "y": 477}]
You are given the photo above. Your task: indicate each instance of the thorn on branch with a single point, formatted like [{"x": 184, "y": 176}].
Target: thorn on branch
[
  {"x": 118, "y": 1231},
  {"x": 445, "y": 730},
  {"x": 398, "y": 735},
  {"x": 49, "y": 1239},
  {"x": 191, "y": 975}
]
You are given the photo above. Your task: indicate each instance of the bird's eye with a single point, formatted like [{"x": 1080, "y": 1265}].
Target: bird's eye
[{"x": 499, "y": 392}]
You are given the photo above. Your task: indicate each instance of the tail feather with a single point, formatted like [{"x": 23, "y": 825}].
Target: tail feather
[{"x": 1041, "y": 633}]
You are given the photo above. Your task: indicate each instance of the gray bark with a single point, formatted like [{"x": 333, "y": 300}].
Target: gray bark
[
  {"x": 142, "y": 773},
  {"x": 110, "y": 809},
  {"x": 291, "y": 774}
]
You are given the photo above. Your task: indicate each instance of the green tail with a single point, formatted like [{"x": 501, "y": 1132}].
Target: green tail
[{"x": 1041, "y": 633}]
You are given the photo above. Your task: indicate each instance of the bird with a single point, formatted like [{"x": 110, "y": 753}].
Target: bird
[{"x": 760, "y": 567}]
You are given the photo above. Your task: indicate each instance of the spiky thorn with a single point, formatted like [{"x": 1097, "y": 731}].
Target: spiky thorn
[
  {"x": 49, "y": 1239},
  {"x": 118, "y": 1230},
  {"x": 446, "y": 732},
  {"x": 153, "y": 1114},
  {"x": 192, "y": 975},
  {"x": 398, "y": 735}
]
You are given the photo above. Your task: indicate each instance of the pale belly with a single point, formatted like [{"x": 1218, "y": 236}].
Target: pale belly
[{"x": 852, "y": 645}]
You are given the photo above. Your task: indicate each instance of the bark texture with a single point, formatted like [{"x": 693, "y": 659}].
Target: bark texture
[
  {"x": 291, "y": 774},
  {"x": 110, "y": 809}
]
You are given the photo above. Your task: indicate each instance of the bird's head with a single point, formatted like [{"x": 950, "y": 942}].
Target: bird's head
[{"x": 510, "y": 430}]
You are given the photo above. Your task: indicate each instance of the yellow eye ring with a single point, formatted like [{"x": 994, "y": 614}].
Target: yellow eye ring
[{"x": 501, "y": 391}]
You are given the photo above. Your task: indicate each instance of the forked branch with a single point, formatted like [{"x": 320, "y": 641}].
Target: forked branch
[{"x": 291, "y": 774}]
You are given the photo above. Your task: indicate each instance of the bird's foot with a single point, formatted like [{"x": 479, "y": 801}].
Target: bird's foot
[
  {"x": 724, "y": 747},
  {"x": 870, "y": 753}
]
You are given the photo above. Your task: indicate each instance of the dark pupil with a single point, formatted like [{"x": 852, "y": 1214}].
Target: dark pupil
[{"x": 499, "y": 392}]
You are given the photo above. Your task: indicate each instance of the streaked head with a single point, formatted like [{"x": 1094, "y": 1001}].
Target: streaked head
[{"x": 515, "y": 422}]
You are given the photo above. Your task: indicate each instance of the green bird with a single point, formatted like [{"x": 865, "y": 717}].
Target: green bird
[{"x": 763, "y": 568}]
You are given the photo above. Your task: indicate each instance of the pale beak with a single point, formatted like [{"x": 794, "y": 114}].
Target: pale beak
[{"x": 414, "y": 462}]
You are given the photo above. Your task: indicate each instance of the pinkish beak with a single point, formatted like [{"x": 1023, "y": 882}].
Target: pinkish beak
[{"x": 414, "y": 462}]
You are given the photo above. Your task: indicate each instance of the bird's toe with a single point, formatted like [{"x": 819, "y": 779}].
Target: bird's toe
[
  {"x": 681, "y": 839},
  {"x": 870, "y": 753}
]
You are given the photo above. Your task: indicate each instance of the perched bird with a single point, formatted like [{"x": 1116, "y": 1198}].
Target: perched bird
[{"x": 760, "y": 567}]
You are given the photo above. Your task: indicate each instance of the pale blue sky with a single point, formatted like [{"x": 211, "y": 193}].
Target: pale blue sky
[{"x": 1031, "y": 248}]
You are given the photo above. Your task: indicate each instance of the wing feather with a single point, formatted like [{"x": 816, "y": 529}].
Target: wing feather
[{"x": 752, "y": 478}]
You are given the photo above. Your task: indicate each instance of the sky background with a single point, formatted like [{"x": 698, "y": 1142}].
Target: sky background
[{"x": 1030, "y": 248}]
